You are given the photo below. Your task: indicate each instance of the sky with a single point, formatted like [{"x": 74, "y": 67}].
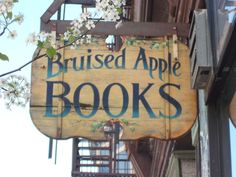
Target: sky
[
  {"x": 233, "y": 147},
  {"x": 23, "y": 149}
]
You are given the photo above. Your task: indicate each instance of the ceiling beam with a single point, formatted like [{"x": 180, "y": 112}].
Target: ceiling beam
[
  {"x": 156, "y": 29},
  {"x": 225, "y": 75},
  {"x": 51, "y": 10},
  {"x": 83, "y": 2}
]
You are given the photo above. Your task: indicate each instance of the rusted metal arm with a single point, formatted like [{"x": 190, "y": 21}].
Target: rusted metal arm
[
  {"x": 83, "y": 2},
  {"x": 51, "y": 10},
  {"x": 55, "y": 6},
  {"x": 156, "y": 29}
]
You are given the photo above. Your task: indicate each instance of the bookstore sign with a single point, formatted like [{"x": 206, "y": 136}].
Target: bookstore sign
[
  {"x": 145, "y": 87},
  {"x": 232, "y": 110}
]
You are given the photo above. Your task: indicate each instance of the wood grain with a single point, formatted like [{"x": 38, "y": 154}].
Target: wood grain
[
  {"x": 232, "y": 110},
  {"x": 72, "y": 125}
]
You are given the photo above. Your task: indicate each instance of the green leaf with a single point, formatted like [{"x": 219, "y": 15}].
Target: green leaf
[
  {"x": 71, "y": 39},
  {"x": 9, "y": 15},
  {"x": 15, "y": 1},
  {"x": 132, "y": 129},
  {"x": 96, "y": 126},
  {"x": 3, "y": 57},
  {"x": 155, "y": 45},
  {"x": 166, "y": 44},
  {"x": 130, "y": 42},
  {"x": 40, "y": 44},
  {"x": 11, "y": 85},
  {"x": 119, "y": 10},
  {"x": 51, "y": 52},
  {"x": 126, "y": 122}
]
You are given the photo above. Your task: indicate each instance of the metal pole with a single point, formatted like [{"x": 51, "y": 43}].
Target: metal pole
[
  {"x": 50, "y": 148},
  {"x": 55, "y": 161}
]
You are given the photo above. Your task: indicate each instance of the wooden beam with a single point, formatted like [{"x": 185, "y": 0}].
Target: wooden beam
[
  {"x": 219, "y": 139},
  {"x": 218, "y": 99},
  {"x": 156, "y": 29},
  {"x": 55, "y": 6},
  {"x": 51, "y": 10},
  {"x": 230, "y": 3},
  {"x": 83, "y": 2},
  {"x": 225, "y": 74},
  {"x": 160, "y": 159}
]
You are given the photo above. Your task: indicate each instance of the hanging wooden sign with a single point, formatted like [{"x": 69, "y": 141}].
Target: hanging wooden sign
[
  {"x": 145, "y": 87},
  {"x": 232, "y": 110}
]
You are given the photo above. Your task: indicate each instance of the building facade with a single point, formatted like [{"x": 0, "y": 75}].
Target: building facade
[{"x": 208, "y": 28}]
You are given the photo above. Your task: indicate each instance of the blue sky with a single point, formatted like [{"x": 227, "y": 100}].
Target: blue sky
[
  {"x": 233, "y": 147},
  {"x": 24, "y": 150}
]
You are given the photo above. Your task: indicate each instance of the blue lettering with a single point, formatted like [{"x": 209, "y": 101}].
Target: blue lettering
[
  {"x": 78, "y": 105},
  {"x": 141, "y": 57},
  {"x": 51, "y": 66},
  {"x": 50, "y": 96},
  {"x": 171, "y": 100},
  {"x": 140, "y": 96},
  {"x": 106, "y": 100}
]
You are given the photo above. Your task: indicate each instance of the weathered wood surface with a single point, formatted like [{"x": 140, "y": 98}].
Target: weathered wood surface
[
  {"x": 232, "y": 110},
  {"x": 72, "y": 125},
  {"x": 154, "y": 29}
]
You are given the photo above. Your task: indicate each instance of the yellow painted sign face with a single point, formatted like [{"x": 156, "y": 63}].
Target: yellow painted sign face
[
  {"x": 145, "y": 88},
  {"x": 232, "y": 110}
]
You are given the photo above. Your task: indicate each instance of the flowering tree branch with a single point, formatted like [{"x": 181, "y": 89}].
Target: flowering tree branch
[
  {"x": 6, "y": 19},
  {"x": 3, "y": 31},
  {"x": 45, "y": 54},
  {"x": 15, "y": 88}
]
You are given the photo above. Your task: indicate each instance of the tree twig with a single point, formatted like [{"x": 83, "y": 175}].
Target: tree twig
[
  {"x": 3, "y": 31},
  {"x": 7, "y": 23},
  {"x": 4, "y": 89}
]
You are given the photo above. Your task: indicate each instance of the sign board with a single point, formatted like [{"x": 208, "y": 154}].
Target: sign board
[
  {"x": 232, "y": 110},
  {"x": 144, "y": 86}
]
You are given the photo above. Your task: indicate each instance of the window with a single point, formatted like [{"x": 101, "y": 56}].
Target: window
[{"x": 222, "y": 16}]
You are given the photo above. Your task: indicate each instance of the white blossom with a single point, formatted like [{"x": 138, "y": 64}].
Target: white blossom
[
  {"x": 1, "y": 82},
  {"x": 90, "y": 24},
  {"x": 3, "y": 8},
  {"x": 6, "y": 6},
  {"x": 73, "y": 46},
  {"x": 110, "y": 9},
  {"x": 77, "y": 24},
  {"x": 15, "y": 91},
  {"x": 85, "y": 16},
  {"x": 88, "y": 39},
  {"x": 12, "y": 34},
  {"x": 32, "y": 38},
  {"x": 66, "y": 36},
  {"x": 43, "y": 36},
  {"x": 48, "y": 39},
  {"x": 119, "y": 24},
  {"x": 19, "y": 18}
]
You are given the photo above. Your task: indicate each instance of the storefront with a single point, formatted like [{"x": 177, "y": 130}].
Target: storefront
[{"x": 208, "y": 29}]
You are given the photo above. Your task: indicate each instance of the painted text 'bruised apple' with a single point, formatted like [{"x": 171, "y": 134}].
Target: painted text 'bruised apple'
[{"x": 156, "y": 68}]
